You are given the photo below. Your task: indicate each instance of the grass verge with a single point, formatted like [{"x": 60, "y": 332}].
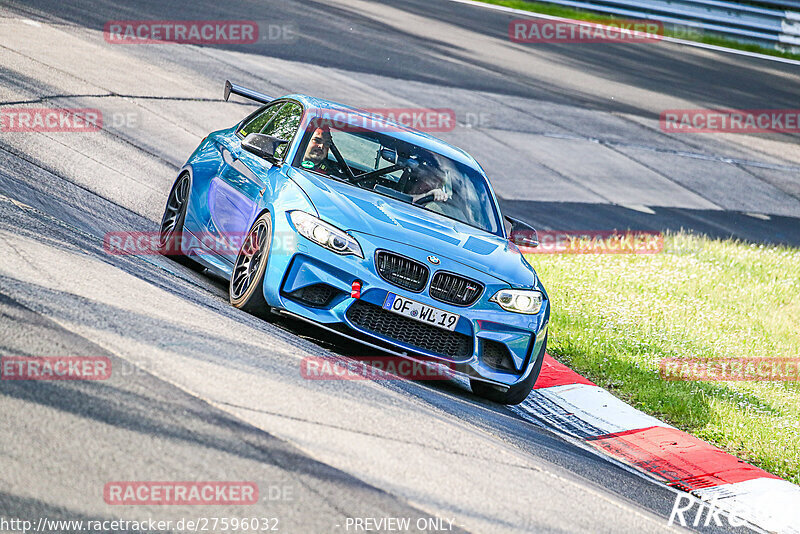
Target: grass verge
[
  {"x": 615, "y": 317},
  {"x": 578, "y": 14}
]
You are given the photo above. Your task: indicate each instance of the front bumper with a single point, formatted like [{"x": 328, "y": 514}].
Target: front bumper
[{"x": 302, "y": 268}]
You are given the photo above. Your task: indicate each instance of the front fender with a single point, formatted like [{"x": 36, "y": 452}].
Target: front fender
[{"x": 286, "y": 196}]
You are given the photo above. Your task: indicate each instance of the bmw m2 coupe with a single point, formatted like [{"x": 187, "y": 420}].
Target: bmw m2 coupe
[{"x": 368, "y": 228}]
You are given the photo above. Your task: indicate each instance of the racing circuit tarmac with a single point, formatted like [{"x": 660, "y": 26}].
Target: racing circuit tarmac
[{"x": 568, "y": 135}]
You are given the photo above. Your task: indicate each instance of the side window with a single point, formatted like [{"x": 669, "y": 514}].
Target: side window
[
  {"x": 284, "y": 124},
  {"x": 259, "y": 121}
]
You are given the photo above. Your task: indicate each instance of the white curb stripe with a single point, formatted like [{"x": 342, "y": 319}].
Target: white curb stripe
[{"x": 591, "y": 405}]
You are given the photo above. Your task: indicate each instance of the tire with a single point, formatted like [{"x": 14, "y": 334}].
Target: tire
[
  {"x": 171, "y": 228},
  {"x": 246, "y": 287},
  {"x": 516, "y": 393}
]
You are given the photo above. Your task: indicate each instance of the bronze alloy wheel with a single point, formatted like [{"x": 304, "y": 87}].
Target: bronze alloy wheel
[{"x": 246, "y": 290}]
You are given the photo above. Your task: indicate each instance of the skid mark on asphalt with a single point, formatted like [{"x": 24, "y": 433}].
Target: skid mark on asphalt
[
  {"x": 134, "y": 410},
  {"x": 47, "y": 98}
]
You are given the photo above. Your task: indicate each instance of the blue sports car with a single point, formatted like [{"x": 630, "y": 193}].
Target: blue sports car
[{"x": 367, "y": 228}]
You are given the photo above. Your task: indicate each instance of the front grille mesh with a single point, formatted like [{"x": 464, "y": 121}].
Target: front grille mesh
[
  {"x": 455, "y": 289},
  {"x": 378, "y": 321},
  {"x": 401, "y": 271}
]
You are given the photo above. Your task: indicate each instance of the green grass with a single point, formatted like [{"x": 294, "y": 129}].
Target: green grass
[
  {"x": 698, "y": 35},
  {"x": 616, "y": 316}
]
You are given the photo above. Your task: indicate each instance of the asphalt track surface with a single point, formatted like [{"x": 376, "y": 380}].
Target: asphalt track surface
[{"x": 569, "y": 135}]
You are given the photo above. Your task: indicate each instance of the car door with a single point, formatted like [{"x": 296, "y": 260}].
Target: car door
[{"x": 234, "y": 194}]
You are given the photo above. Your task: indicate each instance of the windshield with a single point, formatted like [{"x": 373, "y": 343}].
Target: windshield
[{"x": 389, "y": 166}]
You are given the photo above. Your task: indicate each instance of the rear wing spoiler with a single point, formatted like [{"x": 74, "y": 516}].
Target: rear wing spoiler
[{"x": 245, "y": 92}]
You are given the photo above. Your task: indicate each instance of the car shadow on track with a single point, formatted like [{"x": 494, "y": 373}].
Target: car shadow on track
[{"x": 344, "y": 347}]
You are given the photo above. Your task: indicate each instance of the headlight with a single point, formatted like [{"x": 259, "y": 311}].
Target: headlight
[
  {"x": 519, "y": 300},
  {"x": 325, "y": 235}
]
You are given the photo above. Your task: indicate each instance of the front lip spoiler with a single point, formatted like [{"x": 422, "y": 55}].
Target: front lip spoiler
[{"x": 411, "y": 357}]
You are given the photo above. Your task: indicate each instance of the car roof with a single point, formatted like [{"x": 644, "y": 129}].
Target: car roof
[{"x": 325, "y": 108}]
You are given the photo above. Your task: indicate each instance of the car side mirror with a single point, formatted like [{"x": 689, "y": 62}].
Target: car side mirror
[
  {"x": 263, "y": 146},
  {"x": 522, "y": 233}
]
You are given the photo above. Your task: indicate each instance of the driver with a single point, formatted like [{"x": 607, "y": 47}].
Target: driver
[
  {"x": 428, "y": 180},
  {"x": 316, "y": 155}
]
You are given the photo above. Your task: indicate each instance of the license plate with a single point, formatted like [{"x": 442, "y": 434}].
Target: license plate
[{"x": 420, "y": 312}]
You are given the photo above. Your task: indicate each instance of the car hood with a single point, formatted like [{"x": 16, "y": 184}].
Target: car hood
[{"x": 359, "y": 210}]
